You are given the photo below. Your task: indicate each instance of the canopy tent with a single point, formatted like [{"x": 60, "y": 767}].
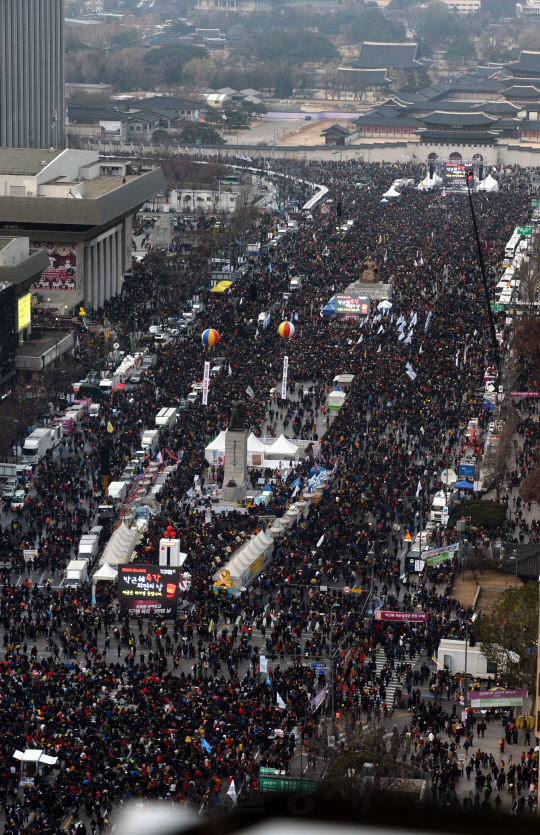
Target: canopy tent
[
  {"x": 256, "y": 451},
  {"x": 392, "y": 192},
  {"x": 215, "y": 451},
  {"x": 384, "y": 305},
  {"x": 330, "y": 308},
  {"x": 221, "y": 286},
  {"x": 120, "y": 546},
  {"x": 464, "y": 485},
  {"x": 489, "y": 184},
  {"x": 240, "y": 566},
  {"x": 106, "y": 572},
  {"x": 282, "y": 448},
  {"x": 255, "y": 444}
]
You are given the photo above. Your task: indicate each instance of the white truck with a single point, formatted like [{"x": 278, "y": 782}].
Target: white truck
[
  {"x": 150, "y": 439},
  {"x": 88, "y": 546},
  {"x": 166, "y": 418},
  {"x": 117, "y": 490},
  {"x": 39, "y": 442},
  {"x": 76, "y": 572}
]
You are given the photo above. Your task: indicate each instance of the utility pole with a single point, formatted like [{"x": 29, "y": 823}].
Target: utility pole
[{"x": 537, "y": 705}]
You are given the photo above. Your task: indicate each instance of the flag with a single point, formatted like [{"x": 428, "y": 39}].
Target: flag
[
  {"x": 411, "y": 374},
  {"x": 359, "y": 340},
  {"x": 381, "y": 329},
  {"x": 109, "y": 427},
  {"x": 280, "y": 702},
  {"x": 379, "y": 349},
  {"x": 230, "y": 370},
  {"x": 269, "y": 683},
  {"x": 418, "y": 488},
  {"x": 160, "y": 457},
  {"x": 205, "y": 745},
  {"x": 232, "y": 792}
]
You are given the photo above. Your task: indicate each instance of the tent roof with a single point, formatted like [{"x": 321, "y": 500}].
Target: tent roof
[
  {"x": 106, "y": 572},
  {"x": 255, "y": 444},
  {"x": 218, "y": 443},
  {"x": 120, "y": 546},
  {"x": 282, "y": 446}
]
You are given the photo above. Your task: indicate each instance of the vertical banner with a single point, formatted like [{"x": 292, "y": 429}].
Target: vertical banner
[
  {"x": 206, "y": 380},
  {"x": 284, "y": 381}
]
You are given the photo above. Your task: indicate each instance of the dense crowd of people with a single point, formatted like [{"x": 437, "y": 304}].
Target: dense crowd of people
[{"x": 108, "y": 698}]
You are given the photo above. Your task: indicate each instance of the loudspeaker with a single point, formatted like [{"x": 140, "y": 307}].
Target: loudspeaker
[
  {"x": 253, "y": 292},
  {"x": 338, "y": 208}
]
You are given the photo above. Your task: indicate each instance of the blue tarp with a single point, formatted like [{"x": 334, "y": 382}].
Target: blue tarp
[
  {"x": 330, "y": 309},
  {"x": 464, "y": 485}
]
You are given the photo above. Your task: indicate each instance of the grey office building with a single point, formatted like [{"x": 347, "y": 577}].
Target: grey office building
[{"x": 32, "y": 104}]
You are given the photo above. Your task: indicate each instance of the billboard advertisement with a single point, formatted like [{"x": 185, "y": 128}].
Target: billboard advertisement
[
  {"x": 143, "y": 589},
  {"x": 348, "y": 307},
  {"x": 24, "y": 307},
  {"x": 62, "y": 272},
  {"x": 454, "y": 176}
]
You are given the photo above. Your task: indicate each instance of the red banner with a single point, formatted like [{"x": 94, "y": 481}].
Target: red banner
[{"x": 381, "y": 614}]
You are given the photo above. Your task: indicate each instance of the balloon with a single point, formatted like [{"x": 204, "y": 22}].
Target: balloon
[
  {"x": 286, "y": 330},
  {"x": 210, "y": 337}
]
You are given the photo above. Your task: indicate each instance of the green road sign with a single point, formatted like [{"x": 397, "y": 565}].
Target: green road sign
[
  {"x": 273, "y": 785},
  {"x": 524, "y": 230},
  {"x": 268, "y": 771},
  {"x": 535, "y": 203},
  {"x": 496, "y": 307}
]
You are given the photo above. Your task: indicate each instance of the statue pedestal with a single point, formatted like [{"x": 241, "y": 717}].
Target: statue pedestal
[{"x": 235, "y": 465}]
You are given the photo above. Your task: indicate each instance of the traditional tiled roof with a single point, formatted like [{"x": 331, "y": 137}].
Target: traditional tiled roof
[{"x": 400, "y": 56}]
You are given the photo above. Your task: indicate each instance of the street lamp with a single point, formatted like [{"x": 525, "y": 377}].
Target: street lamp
[{"x": 515, "y": 559}]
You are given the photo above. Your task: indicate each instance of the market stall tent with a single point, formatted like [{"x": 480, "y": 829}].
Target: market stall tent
[
  {"x": 106, "y": 572},
  {"x": 489, "y": 184},
  {"x": 120, "y": 546},
  {"x": 282, "y": 448}
]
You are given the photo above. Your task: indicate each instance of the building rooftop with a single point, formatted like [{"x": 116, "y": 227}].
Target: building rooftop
[
  {"x": 400, "y": 56},
  {"x": 527, "y": 62},
  {"x": 25, "y": 160},
  {"x": 457, "y": 119}
]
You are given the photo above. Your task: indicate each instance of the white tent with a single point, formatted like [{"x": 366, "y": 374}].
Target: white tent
[
  {"x": 282, "y": 448},
  {"x": 106, "y": 572},
  {"x": 256, "y": 451},
  {"x": 120, "y": 546},
  {"x": 489, "y": 184},
  {"x": 240, "y": 565},
  {"x": 392, "y": 192},
  {"x": 255, "y": 444},
  {"x": 215, "y": 451}
]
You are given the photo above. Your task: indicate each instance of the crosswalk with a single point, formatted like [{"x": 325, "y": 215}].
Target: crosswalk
[{"x": 380, "y": 660}]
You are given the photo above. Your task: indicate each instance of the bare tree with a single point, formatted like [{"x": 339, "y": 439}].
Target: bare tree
[{"x": 496, "y": 458}]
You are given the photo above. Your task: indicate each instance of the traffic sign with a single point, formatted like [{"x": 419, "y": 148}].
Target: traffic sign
[
  {"x": 407, "y": 536},
  {"x": 318, "y": 669},
  {"x": 356, "y": 591},
  {"x": 325, "y": 209},
  {"x": 323, "y": 588},
  {"x": 346, "y": 589},
  {"x": 270, "y": 771},
  {"x": 524, "y": 230},
  {"x": 272, "y": 785}
]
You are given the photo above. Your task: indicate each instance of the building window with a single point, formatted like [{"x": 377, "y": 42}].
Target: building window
[{"x": 17, "y": 191}]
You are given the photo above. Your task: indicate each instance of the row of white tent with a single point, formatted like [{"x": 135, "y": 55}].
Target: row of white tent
[
  {"x": 281, "y": 448},
  {"x": 240, "y": 565}
]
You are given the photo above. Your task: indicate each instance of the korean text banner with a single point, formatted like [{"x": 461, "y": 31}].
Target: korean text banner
[{"x": 143, "y": 589}]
